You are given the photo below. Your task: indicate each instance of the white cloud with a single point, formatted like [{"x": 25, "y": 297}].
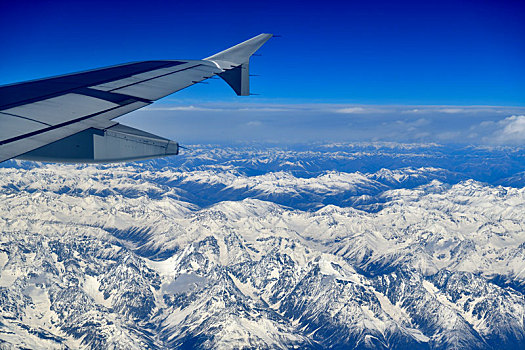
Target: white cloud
[
  {"x": 231, "y": 108},
  {"x": 452, "y": 110},
  {"x": 254, "y": 123},
  {"x": 184, "y": 108},
  {"x": 421, "y": 122},
  {"x": 350, "y": 110},
  {"x": 510, "y": 130},
  {"x": 413, "y": 110},
  {"x": 266, "y": 109}
]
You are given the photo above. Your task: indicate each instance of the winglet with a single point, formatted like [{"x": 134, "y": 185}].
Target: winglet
[
  {"x": 241, "y": 53},
  {"x": 235, "y": 62}
]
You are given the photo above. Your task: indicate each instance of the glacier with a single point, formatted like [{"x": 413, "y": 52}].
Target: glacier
[{"x": 332, "y": 246}]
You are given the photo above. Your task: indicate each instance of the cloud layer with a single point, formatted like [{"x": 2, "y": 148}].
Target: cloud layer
[{"x": 298, "y": 123}]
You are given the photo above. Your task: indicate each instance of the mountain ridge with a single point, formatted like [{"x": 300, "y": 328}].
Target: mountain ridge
[{"x": 124, "y": 256}]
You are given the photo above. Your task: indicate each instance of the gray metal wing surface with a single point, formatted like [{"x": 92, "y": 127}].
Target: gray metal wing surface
[{"x": 70, "y": 118}]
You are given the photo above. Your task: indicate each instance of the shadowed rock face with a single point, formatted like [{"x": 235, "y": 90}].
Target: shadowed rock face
[{"x": 254, "y": 249}]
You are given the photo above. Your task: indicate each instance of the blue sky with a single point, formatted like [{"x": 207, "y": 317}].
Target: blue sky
[{"x": 337, "y": 55}]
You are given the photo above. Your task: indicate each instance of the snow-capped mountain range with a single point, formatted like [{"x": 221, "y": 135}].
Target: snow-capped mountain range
[{"x": 338, "y": 246}]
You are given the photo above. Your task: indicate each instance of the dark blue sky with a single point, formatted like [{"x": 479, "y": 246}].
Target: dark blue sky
[{"x": 373, "y": 52}]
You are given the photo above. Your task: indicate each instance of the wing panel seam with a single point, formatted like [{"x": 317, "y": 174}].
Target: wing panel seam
[
  {"x": 115, "y": 97},
  {"x": 159, "y": 76},
  {"x": 26, "y": 118},
  {"x": 54, "y": 127},
  {"x": 62, "y": 92}
]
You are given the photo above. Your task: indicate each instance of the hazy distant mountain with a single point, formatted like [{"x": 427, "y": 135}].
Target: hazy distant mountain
[{"x": 338, "y": 246}]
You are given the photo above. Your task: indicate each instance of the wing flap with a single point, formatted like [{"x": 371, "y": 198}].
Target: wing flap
[
  {"x": 29, "y": 141},
  {"x": 117, "y": 143}
]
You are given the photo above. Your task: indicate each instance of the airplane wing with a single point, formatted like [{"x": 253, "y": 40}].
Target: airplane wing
[{"x": 69, "y": 118}]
